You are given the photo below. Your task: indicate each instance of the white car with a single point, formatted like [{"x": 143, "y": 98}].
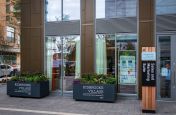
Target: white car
[{"x": 6, "y": 70}]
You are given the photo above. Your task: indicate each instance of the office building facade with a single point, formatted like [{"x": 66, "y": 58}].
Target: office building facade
[{"x": 97, "y": 36}]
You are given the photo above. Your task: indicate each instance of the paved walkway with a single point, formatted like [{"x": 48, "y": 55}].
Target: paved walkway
[{"x": 57, "y": 105}]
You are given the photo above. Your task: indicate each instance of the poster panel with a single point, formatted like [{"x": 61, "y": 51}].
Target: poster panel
[{"x": 127, "y": 71}]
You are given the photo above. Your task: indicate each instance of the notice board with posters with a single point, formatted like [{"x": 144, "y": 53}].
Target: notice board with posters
[{"x": 127, "y": 67}]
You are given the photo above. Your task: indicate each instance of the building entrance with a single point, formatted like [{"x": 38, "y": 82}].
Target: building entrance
[
  {"x": 166, "y": 72},
  {"x": 63, "y": 62}
]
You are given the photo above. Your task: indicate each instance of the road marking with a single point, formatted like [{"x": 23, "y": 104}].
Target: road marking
[{"x": 37, "y": 111}]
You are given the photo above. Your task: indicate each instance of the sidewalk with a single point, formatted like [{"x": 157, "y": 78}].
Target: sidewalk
[{"x": 58, "y": 105}]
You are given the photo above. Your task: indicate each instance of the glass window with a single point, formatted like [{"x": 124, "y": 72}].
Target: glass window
[
  {"x": 105, "y": 54},
  {"x": 116, "y": 55},
  {"x": 115, "y": 8},
  {"x": 53, "y": 10},
  {"x": 2, "y": 66},
  {"x": 165, "y": 6},
  {"x": 100, "y": 8},
  {"x": 164, "y": 55},
  {"x": 71, "y": 10},
  {"x": 10, "y": 34}
]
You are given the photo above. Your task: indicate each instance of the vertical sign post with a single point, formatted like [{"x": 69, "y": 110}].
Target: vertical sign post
[{"x": 148, "y": 79}]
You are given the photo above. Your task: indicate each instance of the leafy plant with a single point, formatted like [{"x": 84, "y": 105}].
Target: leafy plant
[
  {"x": 25, "y": 77},
  {"x": 97, "y": 79}
]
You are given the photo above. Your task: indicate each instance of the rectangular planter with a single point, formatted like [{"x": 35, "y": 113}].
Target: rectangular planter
[
  {"x": 95, "y": 92},
  {"x": 19, "y": 89}
]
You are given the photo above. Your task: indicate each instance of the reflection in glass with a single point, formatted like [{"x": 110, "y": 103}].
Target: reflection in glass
[
  {"x": 166, "y": 6},
  {"x": 100, "y": 8},
  {"x": 71, "y": 10},
  {"x": 128, "y": 8},
  {"x": 53, "y": 10},
  {"x": 115, "y": 8}
]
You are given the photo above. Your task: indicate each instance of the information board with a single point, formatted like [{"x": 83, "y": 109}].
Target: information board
[
  {"x": 148, "y": 66},
  {"x": 127, "y": 69},
  {"x": 148, "y": 73}
]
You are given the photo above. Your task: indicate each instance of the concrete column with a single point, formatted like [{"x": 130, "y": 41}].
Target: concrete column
[
  {"x": 87, "y": 36},
  {"x": 32, "y": 36},
  {"x": 146, "y": 32}
]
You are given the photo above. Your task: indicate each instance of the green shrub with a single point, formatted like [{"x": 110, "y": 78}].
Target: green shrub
[
  {"x": 36, "y": 78},
  {"x": 97, "y": 79}
]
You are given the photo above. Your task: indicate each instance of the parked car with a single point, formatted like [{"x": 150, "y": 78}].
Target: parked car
[{"x": 8, "y": 70}]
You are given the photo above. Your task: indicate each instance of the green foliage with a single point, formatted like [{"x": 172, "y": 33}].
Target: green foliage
[
  {"x": 17, "y": 9},
  {"x": 17, "y": 5},
  {"x": 36, "y": 78},
  {"x": 97, "y": 79}
]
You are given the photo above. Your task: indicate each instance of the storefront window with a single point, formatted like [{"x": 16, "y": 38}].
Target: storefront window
[{"x": 116, "y": 55}]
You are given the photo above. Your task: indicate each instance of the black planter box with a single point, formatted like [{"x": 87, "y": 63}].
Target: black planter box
[
  {"x": 33, "y": 90},
  {"x": 95, "y": 92}
]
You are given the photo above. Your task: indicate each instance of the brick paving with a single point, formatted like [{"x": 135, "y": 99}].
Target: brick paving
[{"x": 67, "y": 106}]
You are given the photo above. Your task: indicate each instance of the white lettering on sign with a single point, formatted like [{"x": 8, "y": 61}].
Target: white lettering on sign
[
  {"x": 23, "y": 88},
  {"x": 92, "y": 87},
  {"x": 22, "y": 84},
  {"x": 148, "y": 72},
  {"x": 97, "y": 91},
  {"x": 152, "y": 71},
  {"x": 144, "y": 67}
]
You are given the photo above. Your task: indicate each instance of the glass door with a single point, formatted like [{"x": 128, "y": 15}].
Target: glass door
[
  {"x": 166, "y": 61},
  {"x": 63, "y": 62},
  {"x": 71, "y": 62}
]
